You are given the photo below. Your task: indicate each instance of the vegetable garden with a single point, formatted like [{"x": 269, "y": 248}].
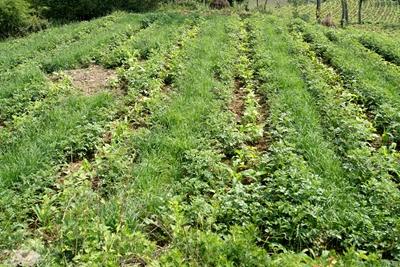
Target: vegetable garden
[{"x": 224, "y": 139}]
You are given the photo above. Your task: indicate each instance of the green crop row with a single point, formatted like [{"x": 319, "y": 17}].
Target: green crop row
[
  {"x": 27, "y": 49},
  {"x": 26, "y": 83},
  {"x": 85, "y": 51},
  {"x": 150, "y": 40},
  {"x": 308, "y": 201},
  {"x": 64, "y": 127},
  {"x": 382, "y": 44},
  {"x": 93, "y": 181},
  {"x": 372, "y": 167},
  {"x": 59, "y": 130},
  {"x": 346, "y": 122},
  {"x": 306, "y": 197},
  {"x": 374, "y": 83}
]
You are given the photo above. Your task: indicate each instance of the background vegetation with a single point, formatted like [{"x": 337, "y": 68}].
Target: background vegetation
[{"x": 18, "y": 17}]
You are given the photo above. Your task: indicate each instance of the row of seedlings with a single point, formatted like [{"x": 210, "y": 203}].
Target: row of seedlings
[
  {"x": 158, "y": 28},
  {"x": 26, "y": 49},
  {"x": 99, "y": 186},
  {"x": 211, "y": 223},
  {"x": 309, "y": 198},
  {"x": 375, "y": 86},
  {"x": 85, "y": 52},
  {"x": 27, "y": 83},
  {"x": 64, "y": 127},
  {"x": 373, "y": 167},
  {"x": 220, "y": 164},
  {"x": 381, "y": 43}
]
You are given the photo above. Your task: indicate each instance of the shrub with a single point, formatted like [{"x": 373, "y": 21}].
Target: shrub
[
  {"x": 87, "y": 9},
  {"x": 16, "y": 18}
]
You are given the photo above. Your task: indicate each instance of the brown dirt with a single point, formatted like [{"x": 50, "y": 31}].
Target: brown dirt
[
  {"x": 376, "y": 142},
  {"x": 133, "y": 261},
  {"x": 237, "y": 104},
  {"x": 107, "y": 137},
  {"x": 263, "y": 144},
  {"x": 167, "y": 88},
  {"x": 91, "y": 80},
  {"x": 96, "y": 183},
  {"x": 25, "y": 258},
  {"x": 67, "y": 170},
  {"x": 219, "y": 4},
  {"x": 328, "y": 21}
]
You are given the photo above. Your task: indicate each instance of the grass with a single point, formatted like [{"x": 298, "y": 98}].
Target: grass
[
  {"x": 55, "y": 39},
  {"x": 371, "y": 78},
  {"x": 234, "y": 140},
  {"x": 313, "y": 167}
]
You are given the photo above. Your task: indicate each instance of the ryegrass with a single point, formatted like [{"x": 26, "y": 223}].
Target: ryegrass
[
  {"x": 375, "y": 82},
  {"x": 312, "y": 168},
  {"x": 56, "y": 39},
  {"x": 171, "y": 172}
]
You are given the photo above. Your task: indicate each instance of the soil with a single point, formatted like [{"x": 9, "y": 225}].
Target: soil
[
  {"x": 219, "y": 4},
  {"x": 91, "y": 80},
  {"x": 237, "y": 104},
  {"x": 25, "y": 258},
  {"x": 70, "y": 168}
]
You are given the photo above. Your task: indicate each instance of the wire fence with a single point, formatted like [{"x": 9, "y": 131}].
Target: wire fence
[{"x": 373, "y": 11}]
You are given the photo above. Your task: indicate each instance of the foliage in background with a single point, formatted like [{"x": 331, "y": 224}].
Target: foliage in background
[
  {"x": 87, "y": 9},
  {"x": 16, "y": 17}
]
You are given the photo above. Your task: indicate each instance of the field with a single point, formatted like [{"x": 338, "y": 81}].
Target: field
[{"x": 200, "y": 139}]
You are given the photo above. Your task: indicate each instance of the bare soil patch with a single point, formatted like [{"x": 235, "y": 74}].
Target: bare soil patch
[
  {"x": 91, "y": 80},
  {"x": 25, "y": 258},
  {"x": 237, "y": 104}
]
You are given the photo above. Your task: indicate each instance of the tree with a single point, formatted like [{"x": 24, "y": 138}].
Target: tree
[
  {"x": 345, "y": 13},
  {"x": 15, "y": 16},
  {"x": 87, "y": 9},
  {"x": 360, "y": 2},
  {"x": 319, "y": 11}
]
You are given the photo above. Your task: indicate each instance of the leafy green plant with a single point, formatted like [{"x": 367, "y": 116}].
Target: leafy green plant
[{"x": 16, "y": 18}]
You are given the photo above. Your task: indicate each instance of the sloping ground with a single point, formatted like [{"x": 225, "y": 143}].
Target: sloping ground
[
  {"x": 91, "y": 80},
  {"x": 257, "y": 141}
]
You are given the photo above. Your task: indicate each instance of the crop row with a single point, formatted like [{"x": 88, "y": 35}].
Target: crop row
[
  {"x": 217, "y": 173},
  {"x": 307, "y": 196},
  {"x": 371, "y": 166},
  {"x": 27, "y": 83},
  {"x": 66, "y": 127},
  {"x": 382, "y": 44},
  {"x": 147, "y": 41},
  {"x": 204, "y": 226},
  {"x": 296, "y": 195},
  {"x": 63, "y": 129},
  {"x": 100, "y": 183},
  {"x": 38, "y": 47},
  {"x": 374, "y": 83}
]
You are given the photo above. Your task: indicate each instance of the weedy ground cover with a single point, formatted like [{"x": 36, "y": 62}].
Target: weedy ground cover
[
  {"x": 224, "y": 140},
  {"x": 385, "y": 45},
  {"x": 27, "y": 49},
  {"x": 374, "y": 82}
]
